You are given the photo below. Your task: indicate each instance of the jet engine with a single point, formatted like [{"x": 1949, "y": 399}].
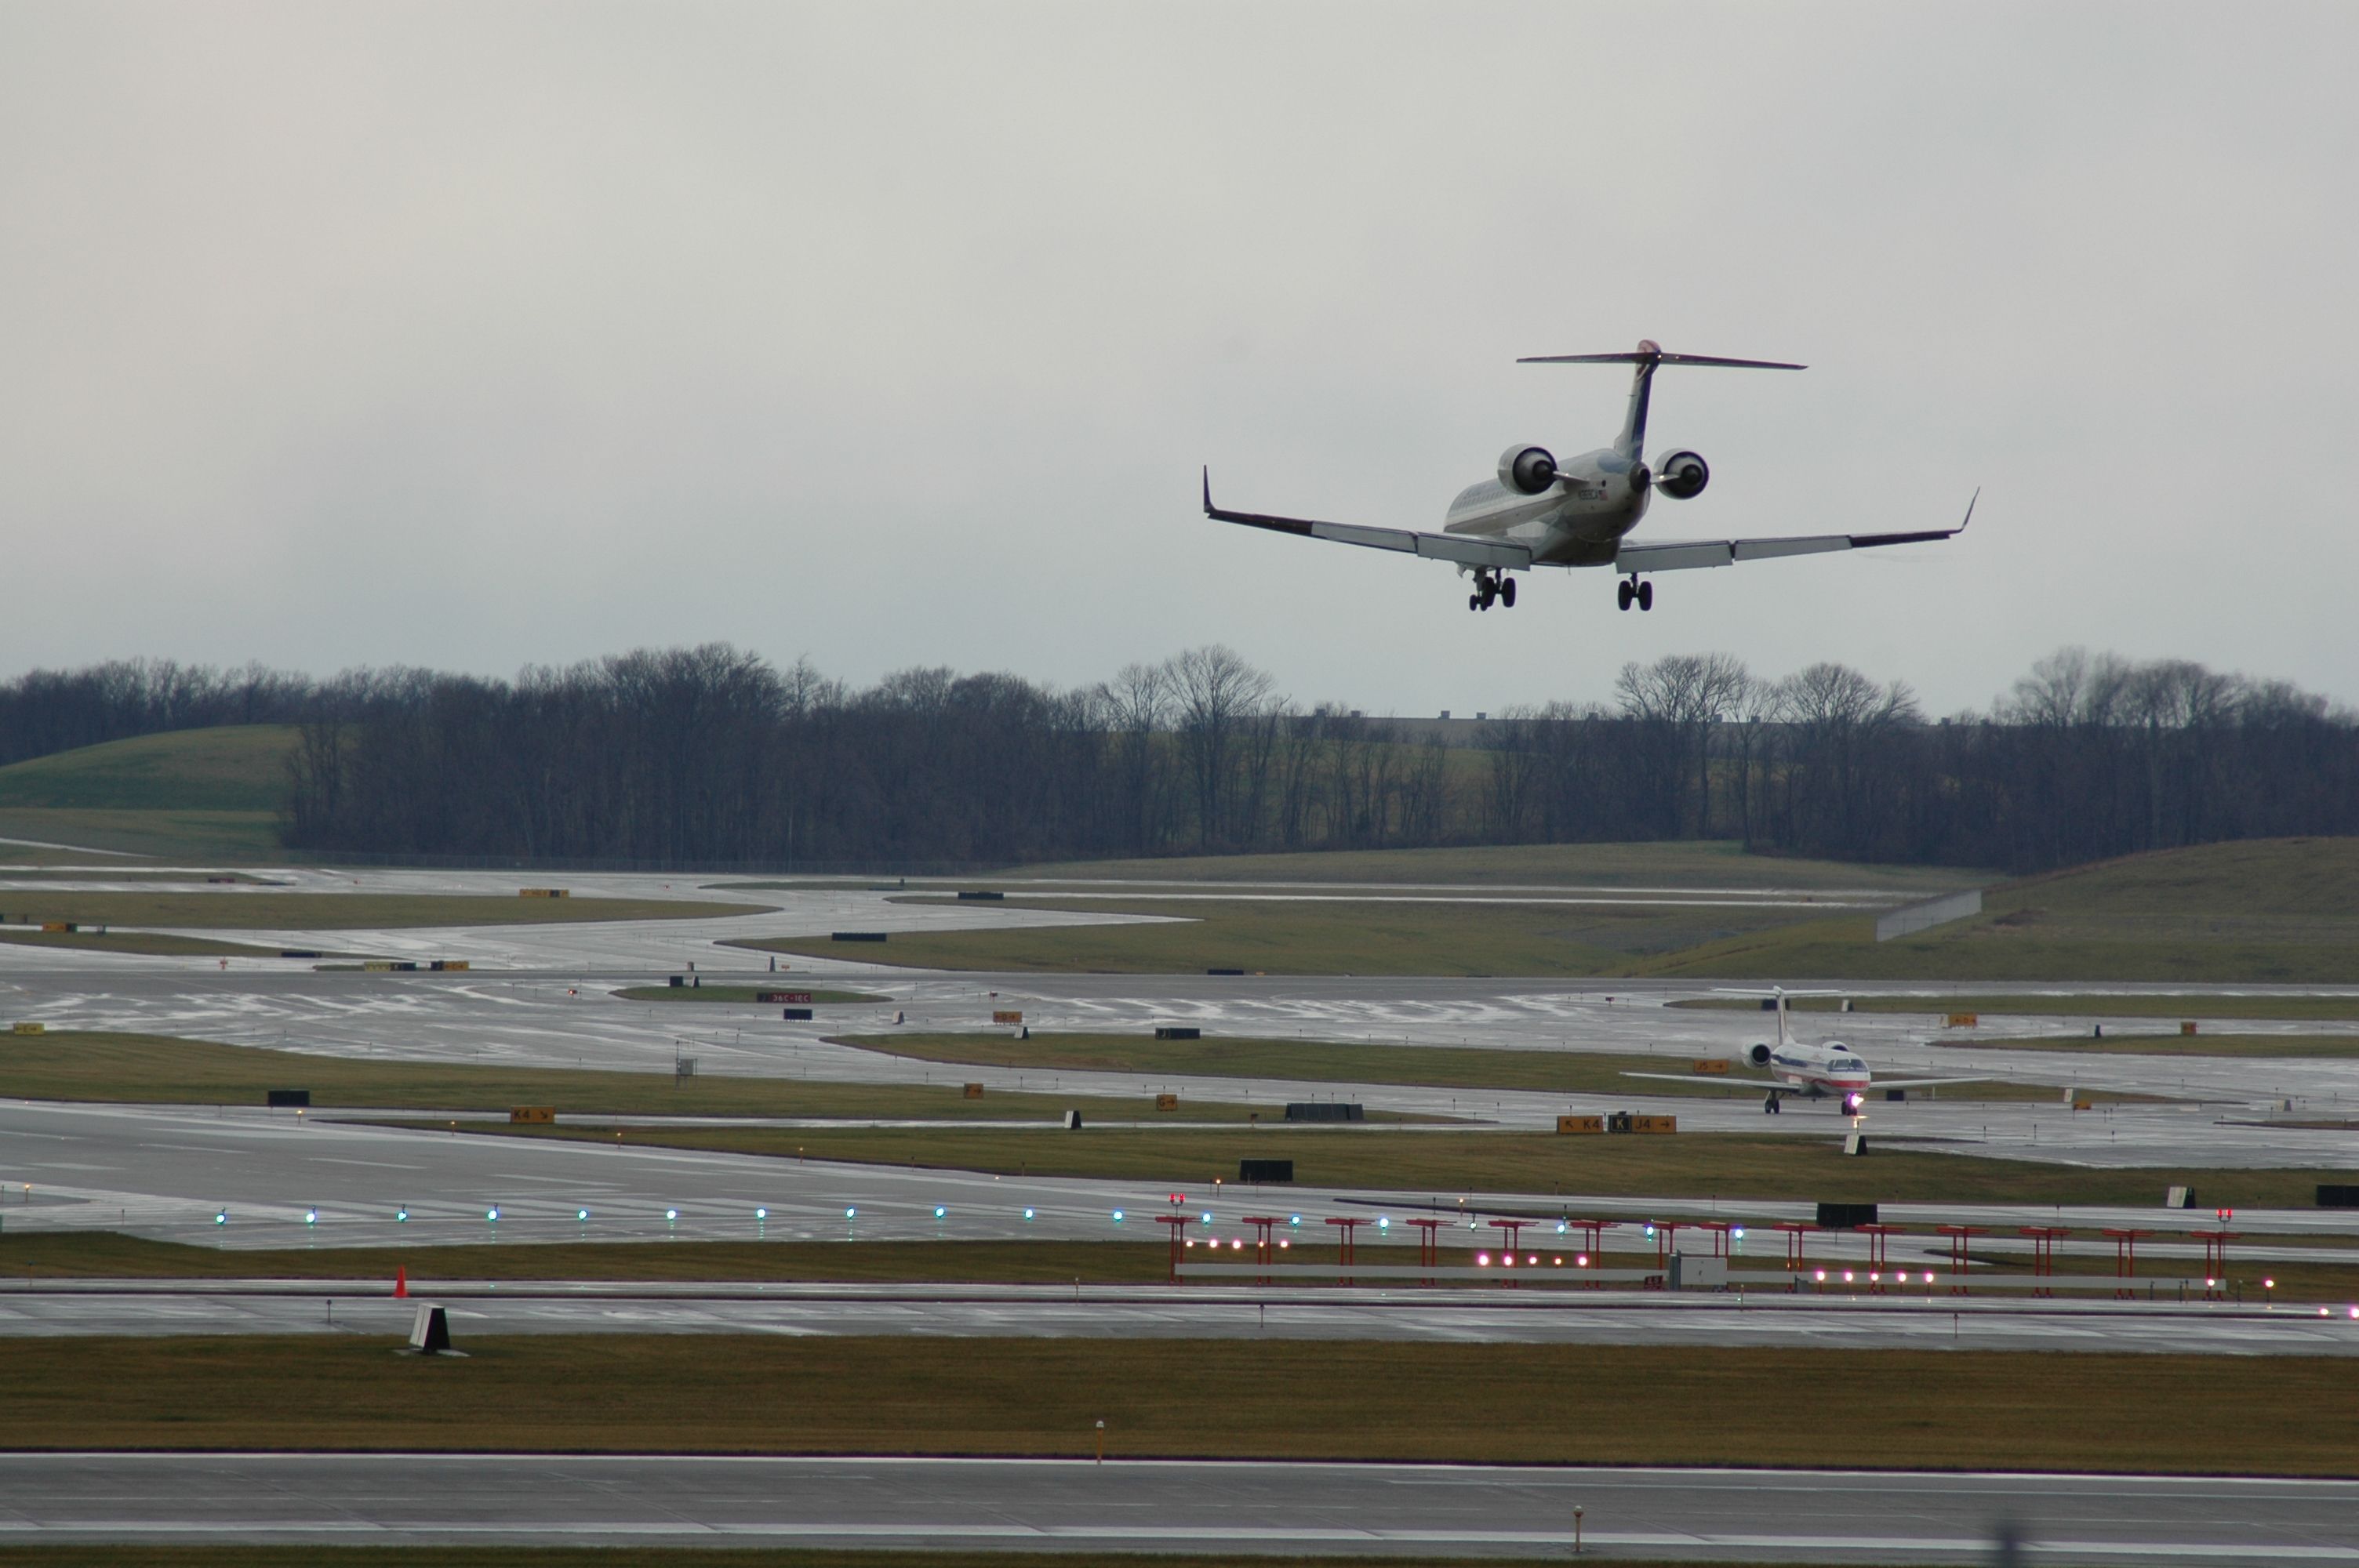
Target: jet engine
[
  {"x": 1528, "y": 469},
  {"x": 1682, "y": 475},
  {"x": 1758, "y": 1055}
]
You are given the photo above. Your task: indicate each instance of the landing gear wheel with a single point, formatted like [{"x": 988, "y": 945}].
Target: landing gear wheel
[
  {"x": 1626, "y": 594},
  {"x": 1507, "y": 591},
  {"x": 1487, "y": 591},
  {"x": 1769, "y": 1105},
  {"x": 1474, "y": 601},
  {"x": 1646, "y": 596}
]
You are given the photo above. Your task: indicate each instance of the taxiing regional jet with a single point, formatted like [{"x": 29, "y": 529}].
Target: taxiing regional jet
[
  {"x": 1814, "y": 1072},
  {"x": 1539, "y": 513}
]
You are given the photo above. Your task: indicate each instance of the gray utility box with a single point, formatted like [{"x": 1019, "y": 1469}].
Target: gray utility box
[{"x": 1697, "y": 1271}]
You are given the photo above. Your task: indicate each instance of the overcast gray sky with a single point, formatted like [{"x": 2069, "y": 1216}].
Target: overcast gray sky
[{"x": 477, "y": 335}]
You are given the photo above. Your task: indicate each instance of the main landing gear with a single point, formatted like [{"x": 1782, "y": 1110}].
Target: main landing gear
[
  {"x": 1490, "y": 586},
  {"x": 1769, "y": 1105},
  {"x": 1631, "y": 589}
]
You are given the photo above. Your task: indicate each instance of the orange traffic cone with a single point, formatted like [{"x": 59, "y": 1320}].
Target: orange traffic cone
[{"x": 401, "y": 1282}]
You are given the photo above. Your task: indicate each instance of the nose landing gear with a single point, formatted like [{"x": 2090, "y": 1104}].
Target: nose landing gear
[
  {"x": 1634, "y": 592},
  {"x": 1490, "y": 587}
]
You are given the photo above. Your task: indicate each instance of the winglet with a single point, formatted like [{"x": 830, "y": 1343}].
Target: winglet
[
  {"x": 1208, "y": 493},
  {"x": 1962, "y": 524}
]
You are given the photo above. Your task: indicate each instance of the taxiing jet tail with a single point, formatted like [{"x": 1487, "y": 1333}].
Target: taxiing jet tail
[{"x": 1632, "y": 442}]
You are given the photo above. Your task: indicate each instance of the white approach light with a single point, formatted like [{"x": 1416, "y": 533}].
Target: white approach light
[
  {"x": 761, "y": 1213},
  {"x": 1027, "y": 1213}
]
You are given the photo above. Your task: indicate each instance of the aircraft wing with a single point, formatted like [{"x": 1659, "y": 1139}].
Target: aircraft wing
[
  {"x": 1929, "y": 1082},
  {"x": 1718, "y": 1081},
  {"x": 1460, "y": 547},
  {"x": 1677, "y": 557}
]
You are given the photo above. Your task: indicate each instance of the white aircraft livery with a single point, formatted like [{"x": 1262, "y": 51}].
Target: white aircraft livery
[
  {"x": 1815, "y": 1072},
  {"x": 1542, "y": 513}
]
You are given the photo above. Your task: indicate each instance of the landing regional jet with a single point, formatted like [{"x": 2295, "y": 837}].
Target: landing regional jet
[{"x": 1539, "y": 513}]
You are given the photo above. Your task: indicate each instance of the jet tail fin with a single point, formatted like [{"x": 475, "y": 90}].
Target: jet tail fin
[{"x": 1647, "y": 356}]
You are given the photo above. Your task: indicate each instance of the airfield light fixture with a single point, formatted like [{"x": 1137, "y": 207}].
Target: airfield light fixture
[
  {"x": 401, "y": 1217},
  {"x": 221, "y": 1216},
  {"x": 1482, "y": 1260},
  {"x": 761, "y": 1213},
  {"x": 1117, "y": 1217},
  {"x": 1027, "y": 1213},
  {"x": 672, "y": 1215},
  {"x": 310, "y": 1216},
  {"x": 851, "y": 1213},
  {"x": 493, "y": 1214},
  {"x": 582, "y": 1215},
  {"x": 941, "y": 1213},
  {"x": 1384, "y": 1222},
  {"x": 1206, "y": 1217},
  {"x": 1294, "y": 1220}
]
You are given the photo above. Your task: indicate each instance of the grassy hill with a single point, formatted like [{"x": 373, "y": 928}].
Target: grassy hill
[
  {"x": 2272, "y": 910},
  {"x": 235, "y": 768},
  {"x": 198, "y": 794}
]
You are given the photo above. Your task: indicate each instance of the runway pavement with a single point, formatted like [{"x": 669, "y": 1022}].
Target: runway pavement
[
  {"x": 1835, "y": 1324},
  {"x": 1838, "y": 1514}
]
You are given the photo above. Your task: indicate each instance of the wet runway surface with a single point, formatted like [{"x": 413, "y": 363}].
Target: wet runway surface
[
  {"x": 1245, "y": 1508},
  {"x": 1834, "y": 1324}
]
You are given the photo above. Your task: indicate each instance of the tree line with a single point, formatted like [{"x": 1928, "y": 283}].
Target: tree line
[{"x": 713, "y": 755}]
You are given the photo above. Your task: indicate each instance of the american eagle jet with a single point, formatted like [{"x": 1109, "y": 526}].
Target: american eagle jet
[
  {"x": 1828, "y": 1069},
  {"x": 1540, "y": 512}
]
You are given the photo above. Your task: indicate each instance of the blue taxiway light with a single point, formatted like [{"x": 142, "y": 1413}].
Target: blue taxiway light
[
  {"x": 941, "y": 1213},
  {"x": 222, "y": 1218},
  {"x": 491, "y": 1214},
  {"x": 581, "y": 1213},
  {"x": 310, "y": 1216},
  {"x": 401, "y": 1217},
  {"x": 1294, "y": 1220},
  {"x": 851, "y": 1214},
  {"x": 1027, "y": 1213}
]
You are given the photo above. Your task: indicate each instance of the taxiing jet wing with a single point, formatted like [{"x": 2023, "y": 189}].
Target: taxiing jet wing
[
  {"x": 1456, "y": 547},
  {"x": 1929, "y": 1082},
  {"x": 1667, "y": 558},
  {"x": 1718, "y": 1081}
]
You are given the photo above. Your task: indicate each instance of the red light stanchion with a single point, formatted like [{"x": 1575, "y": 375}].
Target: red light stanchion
[
  {"x": 1510, "y": 1230},
  {"x": 1347, "y": 1225},
  {"x": 2125, "y": 1260},
  {"x": 1959, "y": 1261},
  {"x": 1796, "y": 1264},
  {"x": 1593, "y": 1232},
  {"x": 2043, "y": 1253},
  {"x": 1429, "y": 1244},
  {"x": 1719, "y": 1229},
  {"x": 1263, "y": 1225},
  {"x": 2215, "y": 1260},
  {"x": 1665, "y": 1229},
  {"x": 1178, "y": 1225},
  {"x": 1878, "y": 1236}
]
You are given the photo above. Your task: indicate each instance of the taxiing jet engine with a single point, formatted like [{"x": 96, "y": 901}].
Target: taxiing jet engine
[
  {"x": 1758, "y": 1055},
  {"x": 1528, "y": 469},
  {"x": 1682, "y": 475}
]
